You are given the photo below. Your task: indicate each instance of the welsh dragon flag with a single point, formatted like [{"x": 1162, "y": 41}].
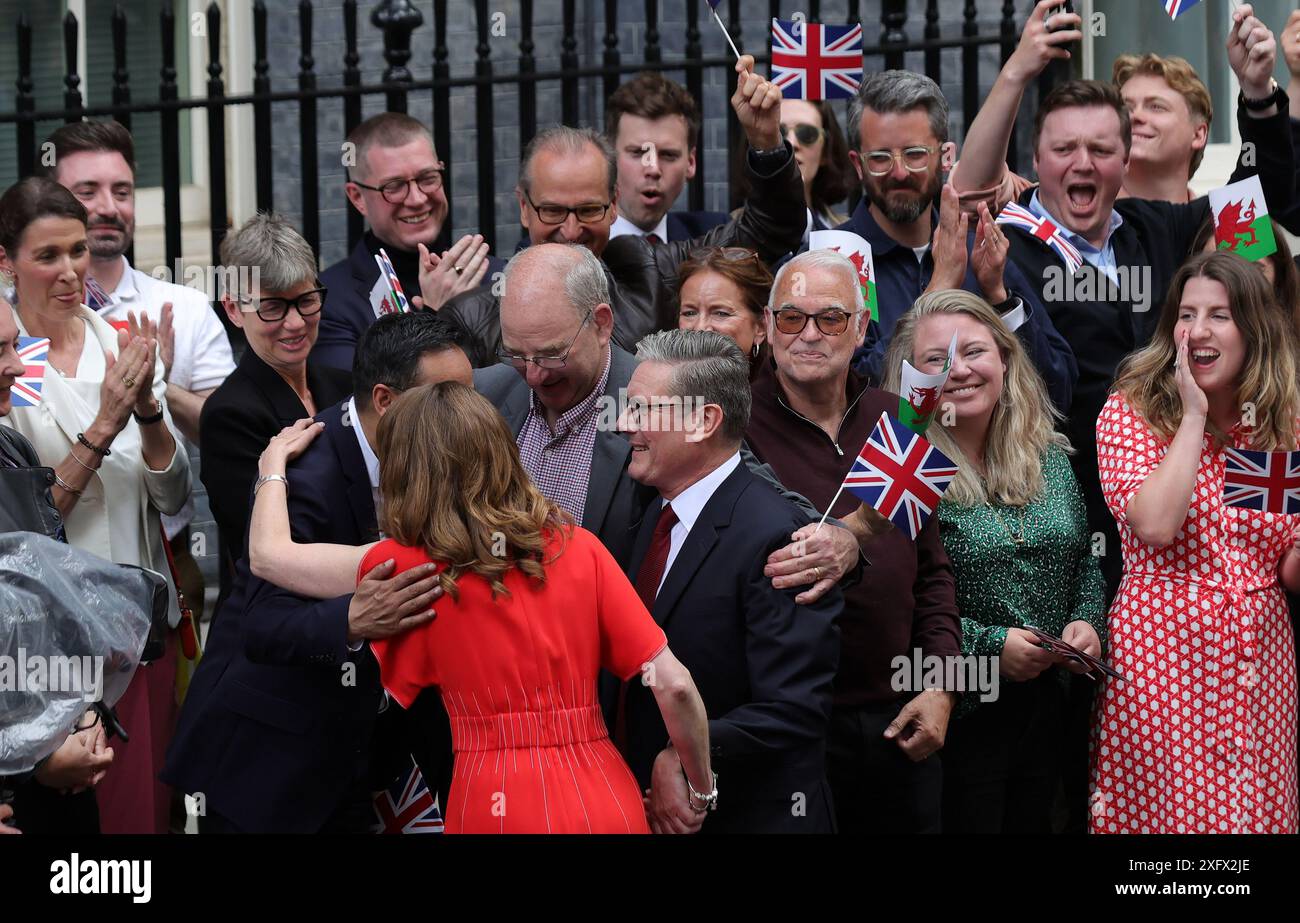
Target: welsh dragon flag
[
  {"x": 858, "y": 251},
  {"x": 1241, "y": 222}
]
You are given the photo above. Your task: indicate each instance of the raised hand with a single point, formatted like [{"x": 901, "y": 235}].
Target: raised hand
[
  {"x": 459, "y": 269},
  {"x": 1194, "y": 399},
  {"x": 758, "y": 107},
  {"x": 1252, "y": 52},
  {"x": 988, "y": 258},
  {"x": 127, "y": 376},
  {"x": 948, "y": 246},
  {"x": 1039, "y": 46}
]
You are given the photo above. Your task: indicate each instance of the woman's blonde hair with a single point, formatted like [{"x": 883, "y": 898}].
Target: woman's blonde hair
[
  {"x": 1268, "y": 373},
  {"x": 453, "y": 485},
  {"x": 1022, "y": 426}
]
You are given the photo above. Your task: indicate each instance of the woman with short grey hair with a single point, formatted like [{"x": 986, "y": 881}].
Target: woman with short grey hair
[{"x": 271, "y": 291}]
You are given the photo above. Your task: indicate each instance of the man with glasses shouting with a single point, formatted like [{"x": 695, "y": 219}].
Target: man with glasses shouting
[
  {"x": 395, "y": 182},
  {"x": 898, "y": 144},
  {"x": 277, "y": 302},
  {"x": 568, "y": 180}
]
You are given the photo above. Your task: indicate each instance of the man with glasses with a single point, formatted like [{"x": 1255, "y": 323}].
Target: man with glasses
[
  {"x": 568, "y": 181},
  {"x": 811, "y": 416},
  {"x": 395, "y": 181},
  {"x": 561, "y": 385},
  {"x": 898, "y": 144},
  {"x": 275, "y": 383}
]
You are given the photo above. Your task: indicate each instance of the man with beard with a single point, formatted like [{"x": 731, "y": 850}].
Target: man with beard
[
  {"x": 95, "y": 161},
  {"x": 898, "y": 142}
]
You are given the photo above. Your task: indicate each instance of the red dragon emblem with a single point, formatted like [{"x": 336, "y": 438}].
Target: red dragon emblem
[
  {"x": 1233, "y": 223},
  {"x": 923, "y": 401}
]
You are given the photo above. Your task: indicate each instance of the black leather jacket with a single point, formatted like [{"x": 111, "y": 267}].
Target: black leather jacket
[
  {"x": 643, "y": 277},
  {"x": 26, "y": 504}
]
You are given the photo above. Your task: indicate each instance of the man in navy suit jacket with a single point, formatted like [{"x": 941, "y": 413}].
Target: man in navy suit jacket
[
  {"x": 281, "y": 730},
  {"x": 764, "y": 664},
  {"x": 390, "y": 148}
]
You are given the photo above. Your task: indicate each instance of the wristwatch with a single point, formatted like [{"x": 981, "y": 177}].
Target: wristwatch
[
  {"x": 1273, "y": 98},
  {"x": 709, "y": 802}
]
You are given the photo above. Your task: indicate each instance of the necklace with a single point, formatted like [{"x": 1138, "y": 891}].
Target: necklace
[{"x": 1018, "y": 537}]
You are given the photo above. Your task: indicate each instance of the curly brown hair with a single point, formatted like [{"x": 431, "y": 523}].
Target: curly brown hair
[{"x": 453, "y": 485}]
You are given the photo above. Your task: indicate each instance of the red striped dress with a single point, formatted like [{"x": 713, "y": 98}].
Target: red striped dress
[{"x": 518, "y": 677}]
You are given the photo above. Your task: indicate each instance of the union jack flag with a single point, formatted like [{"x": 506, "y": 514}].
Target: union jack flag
[
  {"x": 35, "y": 353},
  {"x": 813, "y": 61},
  {"x": 1265, "y": 481},
  {"x": 1016, "y": 215},
  {"x": 901, "y": 475},
  {"x": 96, "y": 298},
  {"x": 407, "y": 806},
  {"x": 1176, "y": 8}
]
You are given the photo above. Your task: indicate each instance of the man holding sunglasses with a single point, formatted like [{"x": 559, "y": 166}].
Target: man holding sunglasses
[
  {"x": 811, "y": 415},
  {"x": 568, "y": 181},
  {"x": 898, "y": 144},
  {"x": 274, "y": 383},
  {"x": 395, "y": 181}
]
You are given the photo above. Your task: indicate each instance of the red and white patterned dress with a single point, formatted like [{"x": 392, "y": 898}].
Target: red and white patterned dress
[{"x": 1202, "y": 736}]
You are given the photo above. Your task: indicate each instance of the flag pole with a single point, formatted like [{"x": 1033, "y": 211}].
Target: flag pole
[
  {"x": 829, "y": 507},
  {"x": 718, "y": 20}
]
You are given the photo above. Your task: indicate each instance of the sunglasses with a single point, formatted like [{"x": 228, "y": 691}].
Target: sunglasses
[
  {"x": 807, "y": 135},
  {"x": 831, "y": 323}
]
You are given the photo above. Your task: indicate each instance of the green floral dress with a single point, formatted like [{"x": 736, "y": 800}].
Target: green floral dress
[{"x": 1023, "y": 566}]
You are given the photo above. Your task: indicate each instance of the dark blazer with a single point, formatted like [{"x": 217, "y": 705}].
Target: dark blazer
[
  {"x": 279, "y": 724},
  {"x": 615, "y": 503},
  {"x": 689, "y": 225},
  {"x": 347, "y": 312},
  {"x": 764, "y": 665},
  {"x": 643, "y": 276},
  {"x": 238, "y": 420}
]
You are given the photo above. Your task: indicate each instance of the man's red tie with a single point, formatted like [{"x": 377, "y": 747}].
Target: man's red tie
[
  {"x": 652, "y": 568},
  {"x": 653, "y": 239},
  {"x": 647, "y": 586}
]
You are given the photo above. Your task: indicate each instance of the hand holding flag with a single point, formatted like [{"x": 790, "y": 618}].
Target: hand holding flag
[{"x": 387, "y": 296}]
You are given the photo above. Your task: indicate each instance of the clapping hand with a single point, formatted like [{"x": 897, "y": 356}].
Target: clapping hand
[
  {"x": 988, "y": 258},
  {"x": 459, "y": 269},
  {"x": 948, "y": 246}
]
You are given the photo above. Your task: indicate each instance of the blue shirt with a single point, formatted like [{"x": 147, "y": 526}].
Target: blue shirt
[{"x": 1103, "y": 259}]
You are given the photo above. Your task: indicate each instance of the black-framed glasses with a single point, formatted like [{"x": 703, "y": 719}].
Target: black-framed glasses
[
  {"x": 832, "y": 322},
  {"x": 545, "y": 362},
  {"x": 276, "y": 309},
  {"x": 807, "y": 135},
  {"x": 558, "y": 214},
  {"x": 395, "y": 191},
  {"x": 915, "y": 159}
]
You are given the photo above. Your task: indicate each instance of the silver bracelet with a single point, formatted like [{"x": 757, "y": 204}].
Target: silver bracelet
[
  {"x": 73, "y": 454},
  {"x": 65, "y": 485},
  {"x": 262, "y": 479}
]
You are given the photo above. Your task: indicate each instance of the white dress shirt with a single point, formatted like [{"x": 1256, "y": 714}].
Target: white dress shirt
[
  {"x": 689, "y": 503},
  {"x": 622, "y": 226}
]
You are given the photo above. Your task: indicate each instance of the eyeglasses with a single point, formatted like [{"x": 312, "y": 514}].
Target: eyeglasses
[
  {"x": 395, "y": 191},
  {"x": 638, "y": 411},
  {"x": 831, "y": 323},
  {"x": 915, "y": 159},
  {"x": 272, "y": 310},
  {"x": 558, "y": 214},
  {"x": 730, "y": 254},
  {"x": 545, "y": 362},
  {"x": 805, "y": 134}
]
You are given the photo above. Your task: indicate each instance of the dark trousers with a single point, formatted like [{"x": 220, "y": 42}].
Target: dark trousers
[
  {"x": 876, "y": 788},
  {"x": 42, "y": 810},
  {"x": 354, "y": 814},
  {"x": 1002, "y": 762}
]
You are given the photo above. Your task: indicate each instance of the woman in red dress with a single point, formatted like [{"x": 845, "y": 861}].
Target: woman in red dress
[
  {"x": 1201, "y": 736},
  {"x": 534, "y": 608}
]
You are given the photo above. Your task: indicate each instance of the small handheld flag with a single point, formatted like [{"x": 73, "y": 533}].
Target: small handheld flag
[
  {"x": 407, "y": 806},
  {"x": 900, "y": 475},
  {"x": 95, "y": 297},
  {"x": 1176, "y": 8},
  {"x": 1017, "y": 216},
  {"x": 1265, "y": 481},
  {"x": 387, "y": 296},
  {"x": 713, "y": 6},
  {"x": 1241, "y": 222},
  {"x": 920, "y": 392},
  {"x": 35, "y": 353},
  {"x": 858, "y": 252},
  {"x": 815, "y": 61}
]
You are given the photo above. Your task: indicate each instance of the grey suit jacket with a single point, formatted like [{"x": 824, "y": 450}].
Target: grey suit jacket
[{"x": 615, "y": 503}]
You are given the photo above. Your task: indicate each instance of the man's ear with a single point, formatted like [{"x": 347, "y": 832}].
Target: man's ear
[
  {"x": 856, "y": 159},
  {"x": 381, "y": 398},
  {"x": 355, "y": 196},
  {"x": 700, "y": 423},
  {"x": 690, "y": 164},
  {"x": 232, "y": 311},
  {"x": 602, "y": 317}
]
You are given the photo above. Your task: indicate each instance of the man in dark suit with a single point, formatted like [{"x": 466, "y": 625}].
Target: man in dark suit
[
  {"x": 562, "y": 397},
  {"x": 764, "y": 663},
  {"x": 395, "y": 182},
  {"x": 567, "y": 193},
  {"x": 282, "y": 727},
  {"x": 654, "y": 126}
]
